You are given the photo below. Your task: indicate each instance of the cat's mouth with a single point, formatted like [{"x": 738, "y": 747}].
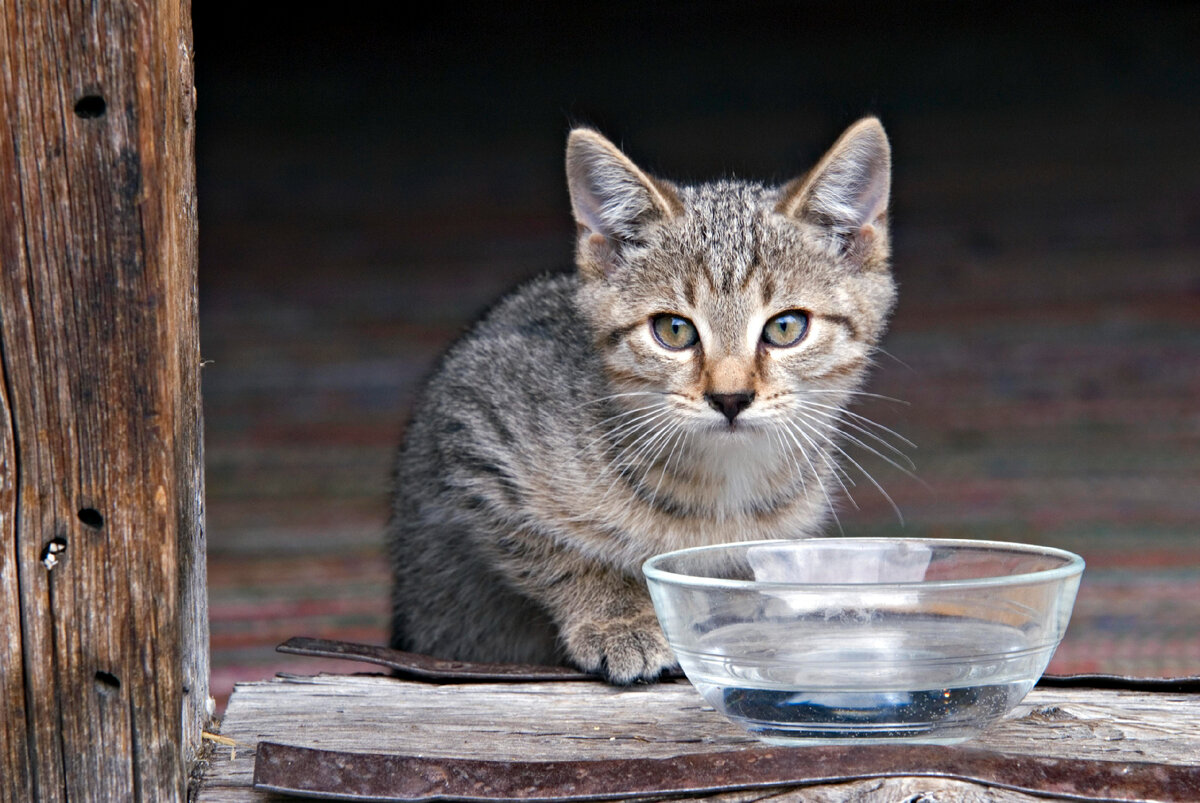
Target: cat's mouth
[{"x": 737, "y": 426}]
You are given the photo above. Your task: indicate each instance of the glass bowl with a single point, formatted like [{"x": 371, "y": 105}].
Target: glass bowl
[{"x": 861, "y": 640}]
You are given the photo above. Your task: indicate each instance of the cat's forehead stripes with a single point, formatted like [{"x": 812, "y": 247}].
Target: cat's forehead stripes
[{"x": 722, "y": 223}]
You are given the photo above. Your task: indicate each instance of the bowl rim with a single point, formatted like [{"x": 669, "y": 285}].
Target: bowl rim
[{"x": 1073, "y": 566}]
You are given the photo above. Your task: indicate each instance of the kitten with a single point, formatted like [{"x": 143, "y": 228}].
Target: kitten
[{"x": 681, "y": 387}]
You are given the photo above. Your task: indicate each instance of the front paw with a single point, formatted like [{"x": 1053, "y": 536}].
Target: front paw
[{"x": 623, "y": 651}]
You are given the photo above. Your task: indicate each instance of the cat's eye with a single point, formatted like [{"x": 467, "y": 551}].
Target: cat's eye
[
  {"x": 786, "y": 328},
  {"x": 674, "y": 332}
]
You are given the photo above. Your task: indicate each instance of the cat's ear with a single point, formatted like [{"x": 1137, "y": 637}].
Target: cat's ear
[
  {"x": 847, "y": 192},
  {"x": 612, "y": 199}
]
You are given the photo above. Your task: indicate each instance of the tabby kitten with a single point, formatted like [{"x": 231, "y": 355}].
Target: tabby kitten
[{"x": 682, "y": 386}]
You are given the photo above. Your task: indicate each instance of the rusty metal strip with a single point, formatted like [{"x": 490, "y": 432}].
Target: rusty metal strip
[
  {"x": 416, "y": 666},
  {"x": 424, "y": 667},
  {"x": 1176, "y": 685},
  {"x": 436, "y": 670},
  {"x": 377, "y": 777}
]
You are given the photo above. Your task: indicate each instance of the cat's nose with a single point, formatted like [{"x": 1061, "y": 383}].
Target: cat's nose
[{"x": 730, "y": 404}]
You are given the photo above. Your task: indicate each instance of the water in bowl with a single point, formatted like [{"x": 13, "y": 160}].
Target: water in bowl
[{"x": 932, "y": 679}]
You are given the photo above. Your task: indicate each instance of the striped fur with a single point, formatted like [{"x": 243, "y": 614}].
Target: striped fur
[{"x": 560, "y": 443}]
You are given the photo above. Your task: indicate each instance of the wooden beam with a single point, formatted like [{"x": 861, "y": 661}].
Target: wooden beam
[
  {"x": 587, "y": 721},
  {"x": 102, "y": 603}
]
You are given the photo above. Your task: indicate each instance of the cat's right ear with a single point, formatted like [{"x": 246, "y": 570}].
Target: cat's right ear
[{"x": 612, "y": 199}]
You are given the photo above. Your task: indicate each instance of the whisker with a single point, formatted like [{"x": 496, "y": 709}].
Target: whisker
[
  {"x": 862, "y": 393},
  {"x": 626, "y": 394},
  {"x": 632, "y": 452},
  {"x": 826, "y": 420},
  {"x": 678, "y": 438},
  {"x": 820, "y": 482},
  {"x": 635, "y": 452},
  {"x": 844, "y": 479},
  {"x": 813, "y": 435},
  {"x": 893, "y": 357},
  {"x": 669, "y": 436},
  {"x": 867, "y": 474},
  {"x": 791, "y": 456},
  {"x": 626, "y": 427},
  {"x": 649, "y": 423},
  {"x": 621, "y": 414},
  {"x": 863, "y": 419}
]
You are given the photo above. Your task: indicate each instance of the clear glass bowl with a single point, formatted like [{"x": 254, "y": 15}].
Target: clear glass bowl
[{"x": 860, "y": 640}]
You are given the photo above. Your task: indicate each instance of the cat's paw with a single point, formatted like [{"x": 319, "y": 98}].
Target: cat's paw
[{"x": 623, "y": 651}]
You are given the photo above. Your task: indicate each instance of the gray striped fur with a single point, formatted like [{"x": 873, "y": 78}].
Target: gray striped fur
[{"x": 559, "y": 444}]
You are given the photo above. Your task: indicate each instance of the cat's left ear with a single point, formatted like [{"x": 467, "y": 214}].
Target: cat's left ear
[
  {"x": 613, "y": 200},
  {"x": 847, "y": 192}
]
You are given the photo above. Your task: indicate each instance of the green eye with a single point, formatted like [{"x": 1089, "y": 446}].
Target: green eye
[
  {"x": 674, "y": 332},
  {"x": 786, "y": 328}
]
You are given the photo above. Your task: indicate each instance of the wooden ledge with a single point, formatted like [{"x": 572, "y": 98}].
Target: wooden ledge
[{"x": 576, "y": 721}]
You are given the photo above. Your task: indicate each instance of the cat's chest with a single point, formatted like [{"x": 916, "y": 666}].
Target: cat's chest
[
  {"x": 722, "y": 474},
  {"x": 725, "y": 489},
  {"x": 735, "y": 518}
]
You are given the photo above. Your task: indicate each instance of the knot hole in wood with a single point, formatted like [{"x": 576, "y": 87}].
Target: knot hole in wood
[
  {"x": 91, "y": 517},
  {"x": 89, "y": 107},
  {"x": 107, "y": 682}
]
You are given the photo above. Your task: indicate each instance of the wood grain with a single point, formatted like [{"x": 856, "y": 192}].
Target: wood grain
[
  {"x": 14, "y": 745},
  {"x": 587, "y": 721},
  {"x": 100, "y": 511}
]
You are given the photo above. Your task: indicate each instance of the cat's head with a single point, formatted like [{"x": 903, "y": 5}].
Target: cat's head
[{"x": 730, "y": 298}]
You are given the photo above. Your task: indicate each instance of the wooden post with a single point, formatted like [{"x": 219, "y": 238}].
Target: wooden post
[{"x": 103, "y": 614}]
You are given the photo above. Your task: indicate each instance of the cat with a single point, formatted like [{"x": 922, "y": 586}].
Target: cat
[{"x": 683, "y": 385}]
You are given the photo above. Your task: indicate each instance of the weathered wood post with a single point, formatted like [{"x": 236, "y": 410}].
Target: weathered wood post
[{"x": 103, "y": 614}]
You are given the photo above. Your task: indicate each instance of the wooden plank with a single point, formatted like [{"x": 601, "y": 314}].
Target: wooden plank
[
  {"x": 100, "y": 509},
  {"x": 14, "y": 746},
  {"x": 588, "y": 721}
]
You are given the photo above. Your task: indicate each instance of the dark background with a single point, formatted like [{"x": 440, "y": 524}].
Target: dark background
[{"x": 369, "y": 179}]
